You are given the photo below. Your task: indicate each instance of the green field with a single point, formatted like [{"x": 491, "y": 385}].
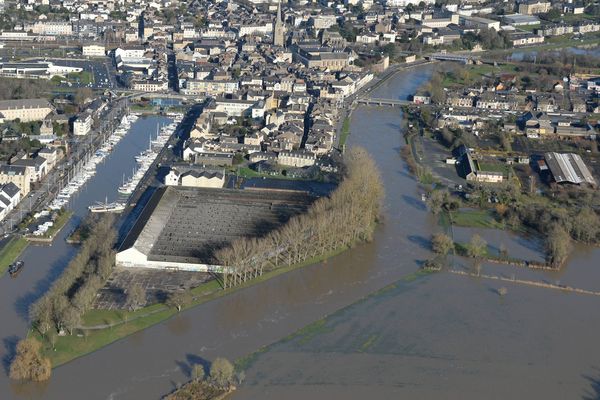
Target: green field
[
  {"x": 476, "y": 219},
  {"x": 247, "y": 172},
  {"x": 345, "y": 131},
  {"x": 10, "y": 252},
  {"x": 494, "y": 167},
  {"x": 471, "y": 73},
  {"x": 83, "y": 77}
]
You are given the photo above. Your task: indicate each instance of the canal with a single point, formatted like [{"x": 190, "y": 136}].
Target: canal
[
  {"x": 435, "y": 336},
  {"x": 43, "y": 264}
]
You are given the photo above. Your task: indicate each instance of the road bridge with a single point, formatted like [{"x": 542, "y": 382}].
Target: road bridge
[{"x": 384, "y": 102}]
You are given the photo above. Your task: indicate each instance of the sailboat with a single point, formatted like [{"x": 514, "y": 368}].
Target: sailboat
[{"x": 107, "y": 207}]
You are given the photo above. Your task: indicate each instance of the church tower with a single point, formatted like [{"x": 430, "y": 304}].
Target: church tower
[{"x": 278, "y": 28}]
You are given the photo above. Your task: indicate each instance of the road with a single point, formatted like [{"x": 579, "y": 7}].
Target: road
[{"x": 56, "y": 179}]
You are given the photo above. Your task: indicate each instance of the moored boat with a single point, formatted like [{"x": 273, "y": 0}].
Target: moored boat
[{"x": 15, "y": 268}]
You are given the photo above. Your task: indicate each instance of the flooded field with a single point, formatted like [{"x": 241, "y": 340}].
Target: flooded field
[{"x": 438, "y": 335}]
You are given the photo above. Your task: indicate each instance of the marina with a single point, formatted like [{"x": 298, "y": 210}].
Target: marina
[
  {"x": 145, "y": 158},
  {"x": 88, "y": 169}
]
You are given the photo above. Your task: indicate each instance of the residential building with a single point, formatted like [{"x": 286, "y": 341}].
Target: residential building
[
  {"x": 25, "y": 110},
  {"x": 296, "y": 158},
  {"x": 530, "y": 7},
  {"x": 82, "y": 125},
  {"x": 93, "y": 50},
  {"x": 17, "y": 174},
  {"x": 10, "y": 195}
]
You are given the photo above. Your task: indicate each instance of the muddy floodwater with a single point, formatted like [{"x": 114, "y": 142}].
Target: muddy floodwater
[
  {"x": 377, "y": 335},
  {"x": 441, "y": 335}
]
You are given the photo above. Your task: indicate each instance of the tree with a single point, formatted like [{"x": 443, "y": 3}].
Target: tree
[
  {"x": 477, "y": 247},
  {"x": 435, "y": 201},
  {"x": 198, "y": 372},
  {"x": 28, "y": 363},
  {"x": 179, "y": 299},
  {"x": 40, "y": 313},
  {"x": 136, "y": 296},
  {"x": 222, "y": 372},
  {"x": 441, "y": 243},
  {"x": 552, "y": 15},
  {"x": 558, "y": 245},
  {"x": 586, "y": 225},
  {"x": 505, "y": 142},
  {"x": 71, "y": 318},
  {"x": 82, "y": 95}
]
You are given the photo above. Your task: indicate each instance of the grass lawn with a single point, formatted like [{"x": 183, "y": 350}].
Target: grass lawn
[
  {"x": 530, "y": 28},
  {"x": 476, "y": 219},
  {"x": 247, "y": 172},
  {"x": 472, "y": 73},
  {"x": 69, "y": 347},
  {"x": 345, "y": 131},
  {"x": 84, "y": 77},
  {"x": 11, "y": 251},
  {"x": 494, "y": 167}
]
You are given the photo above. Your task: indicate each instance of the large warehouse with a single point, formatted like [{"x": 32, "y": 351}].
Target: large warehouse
[
  {"x": 569, "y": 168},
  {"x": 181, "y": 227}
]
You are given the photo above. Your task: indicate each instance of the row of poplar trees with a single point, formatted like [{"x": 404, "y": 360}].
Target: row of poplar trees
[
  {"x": 346, "y": 217},
  {"x": 71, "y": 295}
]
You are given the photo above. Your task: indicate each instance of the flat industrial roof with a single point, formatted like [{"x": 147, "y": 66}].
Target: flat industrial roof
[{"x": 188, "y": 225}]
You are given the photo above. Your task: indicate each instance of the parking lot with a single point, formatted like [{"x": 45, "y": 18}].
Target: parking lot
[
  {"x": 156, "y": 283},
  {"x": 101, "y": 70}
]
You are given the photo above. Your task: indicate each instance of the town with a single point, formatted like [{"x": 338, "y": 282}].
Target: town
[{"x": 166, "y": 154}]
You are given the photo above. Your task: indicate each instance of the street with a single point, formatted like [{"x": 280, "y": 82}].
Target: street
[{"x": 56, "y": 179}]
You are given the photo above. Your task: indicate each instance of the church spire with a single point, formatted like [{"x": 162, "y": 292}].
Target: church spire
[
  {"x": 278, "y": 12},
  {"x": 278, "y": 28}
]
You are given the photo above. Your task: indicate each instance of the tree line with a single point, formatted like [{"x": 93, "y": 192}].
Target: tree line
[
  {"x": 61, "y": 308},
  {"x": 344, "y": 218},
  {"x": 11, "y": 89}
]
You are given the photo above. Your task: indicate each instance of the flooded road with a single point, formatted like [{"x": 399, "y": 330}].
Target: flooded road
[{"x": 43, "y": 264}]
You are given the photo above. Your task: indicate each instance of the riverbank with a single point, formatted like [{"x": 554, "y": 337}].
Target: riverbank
[
  {"x": 345, "y": 131},
  {"x": 117, "y": 324},
  {"x": 11, "y": 251}
]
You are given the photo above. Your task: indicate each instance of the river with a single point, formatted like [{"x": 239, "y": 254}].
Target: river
[
  {"x": 440, "y": 335},
  {"x": 43, "y": 264}
]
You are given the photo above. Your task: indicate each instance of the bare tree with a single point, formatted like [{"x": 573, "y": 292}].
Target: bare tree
[
  {"x": 136, "y": 297},
  {"x": 222, "y": 372},
  {"x": 477, "y": 248},
  {"x": 179, "y": 299},
  {"x": 442, "y": 243},
  {"x": 28, "y": 363},
  {"x": 558, "y": 245}
]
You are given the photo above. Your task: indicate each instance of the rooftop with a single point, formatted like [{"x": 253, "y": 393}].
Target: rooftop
[
  {"x": 187, "y": 225},
  {"x": 569, "y": 167}
]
